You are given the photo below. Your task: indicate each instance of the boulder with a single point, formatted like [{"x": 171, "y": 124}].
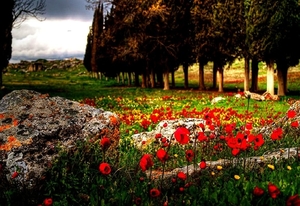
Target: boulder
[{"x": 33, "y": 126}]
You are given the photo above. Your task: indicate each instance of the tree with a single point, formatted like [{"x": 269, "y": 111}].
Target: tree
[
  {"x": 5, "y": 35},
  {"x": 14, "y": 12}
]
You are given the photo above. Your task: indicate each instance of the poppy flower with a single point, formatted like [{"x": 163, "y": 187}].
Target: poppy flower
[
  {"x": 48, "y": 202},
  {"x": 165, "y": 124},
  {"x": 259, "y": 140},
  {"x": 105, "y": 142},
  {"x": 295, "y": 124},
  {"x": 181, "y": 175},
  {"x": 249, "y": 126},
  {"x": 14, "y": 175},
  {"x": 104, "y": 168},
  {"x": 202, "y": 137},
  {"x": 146, "y": 162},
  {"x": 291, "y": 114},
  {"x": 277, "y": 134},
  {"x": 273, "y": 190},
  {"x": 138, "y": 201},
  {"x": 235, "y": 151},
  {"x": 154, "y": 192},
  {"x": 157, "y": 136},
  {"x": 189, "y": 155},
  {"x": 202, "y": 164},
  {"x": 257, "y": 191},
  {"x": 162, "y": 155},
  {"x": 182, "y": 135},
  {"x": 293, "y": 200}
]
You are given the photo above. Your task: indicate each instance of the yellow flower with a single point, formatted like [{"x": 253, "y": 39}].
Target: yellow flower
[
  {"x": 219, "y": 167},
  {"x": 261, "y": 158},
  {"x": 212, "y": 173},
  {"x": 289, "y": 167},
  {"x": 237, "y": 177},
  {"x": 271, "y": 166},
  {"x": 282, "y": 150},
  {"x": 175, "y": 155}
]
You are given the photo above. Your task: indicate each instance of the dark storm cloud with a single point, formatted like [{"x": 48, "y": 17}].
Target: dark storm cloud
[{"x": 67, "y": 9}]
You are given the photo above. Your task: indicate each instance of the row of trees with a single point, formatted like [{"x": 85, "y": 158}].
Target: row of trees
[
  {"x": 152, "y": 38},
  {"x": 14, "y": 12}
]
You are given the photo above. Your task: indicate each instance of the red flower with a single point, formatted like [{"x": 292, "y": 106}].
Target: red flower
[
  {"x": 259, "y": 140},
  {"x": 257, "y": 191},
  {"x": 291, "y": 114},
  {"x": 249, "y": 126},
  {"x": 48, "y": 202},
  {"x": 295, "y": 124},
  {"x": 138, "y": 201},
  {"x": 273, "y": 190},
  {"x": 182, "y": 135},
  {"x": 181, "y": 175},
  {"x": 235, "y": 152},
  {"x": 105, "y": 142},
  {"x": 202, "y": 164},
  {"x": 277, "y": 134},
  {"x": 157, "y": 136},
  {"x": 165, "y": 124},
  {"x": 162, "y": 155},
  {"x": 189, "y": 155},
  {"x": 146, "y": 162},
  {"x": 293, "y": 200},
  {"x": 202, "y": 137},
  {"x": 154, "y": 192},
  {"x": 14, "y": 175},
  {"x": 104, "y": 168}
]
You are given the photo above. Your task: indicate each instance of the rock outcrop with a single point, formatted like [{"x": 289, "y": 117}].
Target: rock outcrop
[{"x": 34, "y": 125}]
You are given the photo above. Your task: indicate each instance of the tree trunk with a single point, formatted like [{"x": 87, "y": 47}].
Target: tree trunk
[
  {"x": 220, "y": 78},
  {"x": 246, "y": 75},
  {"x": 152, "y": 78},
  {"x": 254, "y": 78},
  {"x": 129, "y": 78},
  {"x": 282, "y": 70},
  {"x": 270, "y": 77},
  {"x": 166, "y": 79},
  {"x": 201, "y": 76},
  {"x": 136, "y": 79},
  {"x": 173, "y": 78},
  {"x": 186, "y": 75},
  {"x": 215, "y": 70},
  {"x": 1, "y": 78}
]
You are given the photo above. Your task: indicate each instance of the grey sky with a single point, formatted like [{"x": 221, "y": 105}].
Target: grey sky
[{"x": 62, "y": 35}]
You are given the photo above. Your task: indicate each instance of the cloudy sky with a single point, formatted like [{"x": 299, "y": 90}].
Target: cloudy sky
[{"x": 62, "y": 34}]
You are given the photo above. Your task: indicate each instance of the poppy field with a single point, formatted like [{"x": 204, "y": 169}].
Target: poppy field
[
  {"x": 149, "y": 175},
  {"x": 89, "y": 176}
]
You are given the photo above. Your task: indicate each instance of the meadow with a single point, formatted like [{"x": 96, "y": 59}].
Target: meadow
[{"x": 89, "y": 176}]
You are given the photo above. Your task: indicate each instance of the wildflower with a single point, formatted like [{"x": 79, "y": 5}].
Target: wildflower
[
  {"x": 104, "y": 168},
  {"x": 212, "y": 173},
  {"x": 162, "y": 155},
  {"x": 165, "y": 203},
  {"x": 146, "y": 162},
  {"x": 157, "y": 136},
  {"x": 259, "y": 140},
  {"x": 173, "y": 180},
  {"x": 235, "y": 152},
  {"x": 249, "y": 126},
  {"x": 271, "y": 166},
  {"x": 289, "y": 167},
  {"x": 277, "y": 134},
  {"x": 295, "y": 124},
  {"x": 189, "y": 155},
  {"x": 182, "y": 135},
  {"x": 273, "y": 190},
  {"x": 138, "y": 201},
  {"x": 165, "y": 124},
  {"x": 48, "y": 202},
  {"x": 219, "y": 167},
  {"x": 293, "y": 200},
  {"x": 175, "y": 155},
  {"x": 291, "y": 114},
  {"x": 181, "y": 175},
  {"x": 202, "y": 164},
  {"x": 257, "y": 191},
  {"x": 154, "y": 192},
  {"x": 105, "y": 142},
  {"x": 237, "y": 177},
  {"x": 14, "y": 175},
  {"x": 181, "y": 189},
  {"x": 202, "y": 137}
]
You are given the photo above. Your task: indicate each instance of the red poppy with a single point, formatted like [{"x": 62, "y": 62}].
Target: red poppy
[
  {"x": 105, "y": 142},
  {"x": 189, "y": 155},
  {"x": 235, "y": 151},
  {"x": 146, "y": 162},
  {"x": 202, "y": 164},
  {"x": 273, "y": 190},
  {"x": 259, "y": 140},
  {"x": 277, "y": 134},
  {"x": 14, "y": 175},
  {"x": 182, "y": 135},
  {"x": 291, "y": 114},
  {"x": 138, "y": 201},
  {"x": 162, "y": 155},
  {"x": 295, "y": 124},
  {"x": 154, "y": 192},
  {"x": 202, "y": 137},
  {"x": 181, "y": 189},
  {"x": 165, "y": 124},
  {"x": 249, "y": 126},
  {"x": 257, "y": 191},
  {"x": 293, "y": 200},
  {"x": 48, "y": 202},
  {"x": 104, "y": 168},
  {"x": 157, "y": 136},
  {"x": 181, "y": 175}
]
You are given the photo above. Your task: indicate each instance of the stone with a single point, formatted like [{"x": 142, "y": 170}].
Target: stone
[{"x": 33, "y": 125}]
